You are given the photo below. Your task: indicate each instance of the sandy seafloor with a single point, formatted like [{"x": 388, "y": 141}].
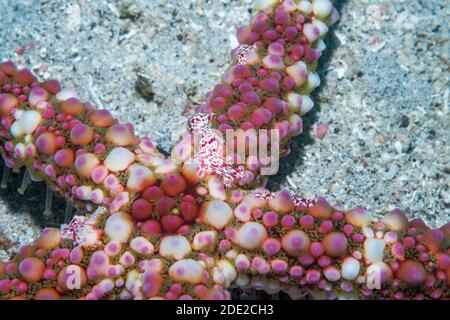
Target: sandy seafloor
[{"x": 384, "y": 95}]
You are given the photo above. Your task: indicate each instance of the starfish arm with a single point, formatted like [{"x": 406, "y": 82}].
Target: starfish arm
[
  {"x": 81, "y": 152},
  {"x": 126, "y": 262},
  {"x": 248, "y": 241},
  {"x": 310, "y": 247},
  {"x": 268, "y": 85}
]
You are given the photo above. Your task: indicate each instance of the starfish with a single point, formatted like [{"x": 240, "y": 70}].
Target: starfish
[{"x": 175, "y": 229}]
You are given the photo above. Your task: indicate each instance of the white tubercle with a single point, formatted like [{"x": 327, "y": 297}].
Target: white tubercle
[
  {"x": 113, "y": 248},
  {"x": 323, "y": 28},
  {"x": 204, "y": 239},
  {"x": 273, "y": 61},
  {"x": 232, "y": 254},
  {"x": 322, "y": 8},
  {"x": 28, "y": 138},
  {"x": 252, "y": 58},
  {"x": 243, "y": 212},
  {"x": 19, "y": 150},
  {"x": 84, "y": 192},
  {"x": 350, "y": 268},
  {"x": 313, "y": 80},
  {"x": 298, "y": 72},
  {"x": 66, "y": 94},
  {"x": 390, "y": 237},
  {"x": 175, "y": 247},
  {"x": 305, "y": 7},
  {"x": 140, "y": 178},
  {"x": 374, "y": 250},
  {"x": 296, "y": 123},
  {"x": 289, "y": 5},
  {"x": 334, "y": 17},
  {"x": 29, "y": 121},
  {"x": 18, "y": 114},
  {"x": 242, "y": 262},
  {"x": 119, "y": 159},
  {"x": 16, "y": 129},
  {"x": 153, "y": 265},
  {"x": 295, "y": 101},
  {"x": 119, "y": 227},
  {"x": 97, "y": 196},
  {"x": 187, "y": 271},
  {"x": 142, "y": 246},
  {"x": 311, "y": 32},
  {"x": 368, "y": 232},
  {"x": 216, "y": 213},
  {"x": 228, "y": 271},
  {"x": 321, "y": 46},
  {"x": 307, "y": 105},
  {"x": 251, "y": 235},
  {"x": 165, "y": 167},
  {"x": 295, "y": 243},
  {"x": 216, "y": 188},
  {"x": 119, "y": 201},
  {"x": 37, "y": 95},
  {"x": 85, "y": 163},
  {"x": 133, "y": 281},
  {"x": 263, "y": 4},
  {"x": 127, "y": 259},
  {"x": 106, "y": 285}
]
